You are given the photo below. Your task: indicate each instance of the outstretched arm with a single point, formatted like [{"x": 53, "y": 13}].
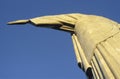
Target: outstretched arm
[{"x": 63, "y": 22}]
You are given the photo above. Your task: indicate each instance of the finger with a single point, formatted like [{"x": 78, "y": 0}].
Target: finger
[{"x": 18, "y": 22}]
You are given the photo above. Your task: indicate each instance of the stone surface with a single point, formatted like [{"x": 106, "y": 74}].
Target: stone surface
[{"x": 96, "y": 41}]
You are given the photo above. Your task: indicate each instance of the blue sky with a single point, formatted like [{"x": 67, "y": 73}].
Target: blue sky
[{"x": 28, "y": 52}]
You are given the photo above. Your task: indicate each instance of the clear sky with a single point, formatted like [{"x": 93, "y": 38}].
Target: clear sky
[{"x": 28, "y": 52}]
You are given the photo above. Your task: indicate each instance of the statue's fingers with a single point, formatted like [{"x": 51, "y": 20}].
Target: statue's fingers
[{"x": 18, "y": 22}]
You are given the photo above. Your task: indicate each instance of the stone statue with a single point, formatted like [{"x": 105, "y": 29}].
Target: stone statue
[{"x": 96, "y": 41}]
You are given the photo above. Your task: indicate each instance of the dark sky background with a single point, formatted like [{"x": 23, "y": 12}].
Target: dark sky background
[{"x": 28, "y": 52}]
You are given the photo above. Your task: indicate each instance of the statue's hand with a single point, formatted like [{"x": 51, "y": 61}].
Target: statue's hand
[
  {"x": 64, "y": 22},
  {"x": 18, "y": 22}
]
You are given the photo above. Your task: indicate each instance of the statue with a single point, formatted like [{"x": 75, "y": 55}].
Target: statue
[{"x": 96, "y": 41}]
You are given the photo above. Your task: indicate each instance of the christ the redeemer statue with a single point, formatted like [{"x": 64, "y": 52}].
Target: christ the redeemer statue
[{"x": 96, "y": 41}]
